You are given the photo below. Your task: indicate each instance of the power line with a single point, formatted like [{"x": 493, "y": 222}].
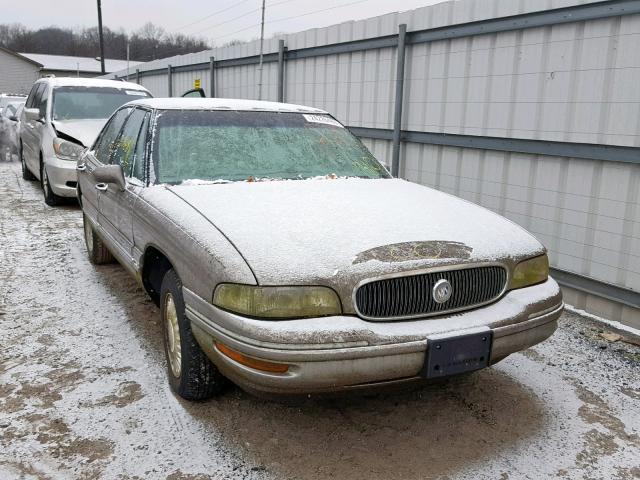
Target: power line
[
  {"x": 292, "y": 17},
  {"x": 240, "y": 16},
  {"x": 167, "y": 54},
  {"x": 227, "y": 21},
  {"x": 210, "y": 15}
]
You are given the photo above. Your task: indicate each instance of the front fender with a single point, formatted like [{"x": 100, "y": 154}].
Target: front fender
[{"x": 201, "y": 255}]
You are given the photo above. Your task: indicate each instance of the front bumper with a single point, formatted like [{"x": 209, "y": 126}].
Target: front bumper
[
  {"x": 345, "y": 352},
  {"x": 63, "y": 177}
]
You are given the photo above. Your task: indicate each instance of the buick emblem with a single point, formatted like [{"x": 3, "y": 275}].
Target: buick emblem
[{"x": 442, "y": 291}]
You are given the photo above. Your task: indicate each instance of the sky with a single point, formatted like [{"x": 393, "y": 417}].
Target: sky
[{"x": 216, "y": 21}]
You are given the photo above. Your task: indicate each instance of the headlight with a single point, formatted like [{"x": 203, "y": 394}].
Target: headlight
[
  {"x": 532, "y": 271},
  {"x": 66, "y": 150},
  {"x": 277, "y": 302}
]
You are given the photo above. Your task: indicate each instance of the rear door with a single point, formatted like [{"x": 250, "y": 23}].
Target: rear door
[
  {"x": 115, "y": 205},
  {"x": 100, "y": 154}
]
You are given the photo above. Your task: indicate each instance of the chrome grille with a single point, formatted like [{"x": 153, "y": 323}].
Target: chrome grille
[{"x": 411, "y": 296}]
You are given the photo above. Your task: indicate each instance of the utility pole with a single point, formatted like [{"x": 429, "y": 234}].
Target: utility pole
[
  {"x": 101, "y": 39},
  {"x": 127, "y": 59},
  {"x": 261, "y": 50}
]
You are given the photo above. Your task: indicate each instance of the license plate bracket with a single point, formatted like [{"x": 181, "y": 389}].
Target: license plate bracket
[{"x": 457, "y": 354}]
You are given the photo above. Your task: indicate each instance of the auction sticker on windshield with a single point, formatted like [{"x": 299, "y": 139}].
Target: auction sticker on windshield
[{"x": 322, "y": 119}]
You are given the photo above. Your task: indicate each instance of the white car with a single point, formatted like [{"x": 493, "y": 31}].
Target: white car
[
  {"x": 61, "y": 117},
  {"x": 10, "y": 129}
]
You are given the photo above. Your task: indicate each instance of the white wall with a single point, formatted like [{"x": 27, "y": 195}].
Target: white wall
[{"x": 16, "y": 75}]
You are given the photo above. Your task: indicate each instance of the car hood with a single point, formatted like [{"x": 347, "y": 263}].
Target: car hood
[
  {"x": 339, "y": 232},
  {"x": 84, "y": 131}
]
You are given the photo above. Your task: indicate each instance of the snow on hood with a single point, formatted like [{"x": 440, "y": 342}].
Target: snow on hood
[
  {"x": 84, "y": 130},
  {"x": 342, "y": 231}
]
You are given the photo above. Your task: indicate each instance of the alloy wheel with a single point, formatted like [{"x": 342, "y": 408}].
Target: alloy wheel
[{"x": 174, "y": 351}]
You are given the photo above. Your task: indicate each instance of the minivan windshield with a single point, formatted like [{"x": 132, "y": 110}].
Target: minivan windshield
[
  {"x": 85, "y": 102},
  {"x": 222, "y": 146}
]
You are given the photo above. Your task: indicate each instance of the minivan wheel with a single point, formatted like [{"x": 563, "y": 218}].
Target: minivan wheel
[
  {"x": 96, "y": 249},
  {"x": 191, "y": 373},
  {"x": 50, "y": 198},
  {"x": 26, "y": 173}
]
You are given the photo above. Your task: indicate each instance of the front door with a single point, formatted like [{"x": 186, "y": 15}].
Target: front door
[
  {"x": 31, "y": 129},
  {"x": 101, "y": 154},
  {"x": 115, "y": 205}
]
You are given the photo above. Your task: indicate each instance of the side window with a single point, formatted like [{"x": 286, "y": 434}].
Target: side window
[
  {"x": 32, "y": 95},
  {"x": 138, "y": 160},
  {"x": 107, "y": 142},
  {"x": 42, "y": 105},
  {"x": 126, "y": 144},
  {"x": 38, "y": 97}
]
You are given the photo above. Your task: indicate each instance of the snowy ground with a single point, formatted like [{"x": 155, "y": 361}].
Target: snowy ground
[{"x": 83, "y": 393}]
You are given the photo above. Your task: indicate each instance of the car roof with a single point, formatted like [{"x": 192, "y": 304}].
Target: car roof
[
  {"x": 90, "y": 82},
  {"x": 222, "y": 104}
]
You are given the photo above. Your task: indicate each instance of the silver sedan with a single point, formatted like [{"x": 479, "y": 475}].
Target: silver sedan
[{"x": 285, "y": 258}]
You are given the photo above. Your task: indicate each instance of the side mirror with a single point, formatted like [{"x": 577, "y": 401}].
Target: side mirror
[
  {"x": 13, "y": 118},
  {"x": 110, "y": 174},
  {"x": 32, "y": 114}
]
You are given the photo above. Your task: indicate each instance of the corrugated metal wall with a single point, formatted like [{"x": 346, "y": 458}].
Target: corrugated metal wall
[{"x": 573, "y": 82}]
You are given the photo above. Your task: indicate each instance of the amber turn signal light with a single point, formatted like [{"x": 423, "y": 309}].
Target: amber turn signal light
[{"x": 251, "y": 362}]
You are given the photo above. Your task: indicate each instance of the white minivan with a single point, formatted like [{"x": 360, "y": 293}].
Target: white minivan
[{"x": 61, "y": 117}]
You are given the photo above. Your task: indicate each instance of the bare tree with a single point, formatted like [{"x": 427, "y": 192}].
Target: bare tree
[{"x": 147, "y": 43}]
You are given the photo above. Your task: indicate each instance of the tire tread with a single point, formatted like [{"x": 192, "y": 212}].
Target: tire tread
[{"x": 200, "y": 379}]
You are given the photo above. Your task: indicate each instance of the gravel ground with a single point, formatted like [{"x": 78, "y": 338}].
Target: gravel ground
[{"x": 83, "y": 391}]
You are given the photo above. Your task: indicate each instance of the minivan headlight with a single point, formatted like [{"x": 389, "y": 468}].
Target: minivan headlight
[
  {"x": 66, "y": 150},
  {"x": 277, "y": 302},
  {"x": 530, "y": 272}
]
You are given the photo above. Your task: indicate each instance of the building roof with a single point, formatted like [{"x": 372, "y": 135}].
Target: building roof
[
  {"x": 15, "y": 54},
  {"x": 72, "y": 64},
  {"x": 179, "y": 103}
]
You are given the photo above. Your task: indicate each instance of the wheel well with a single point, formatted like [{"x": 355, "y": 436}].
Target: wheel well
[{"x": 155, "y": 265}]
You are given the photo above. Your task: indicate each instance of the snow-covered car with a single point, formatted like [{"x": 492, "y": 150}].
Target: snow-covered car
[
  {"x": 10, "y": 130},
  {"x": 7, "y": 98},
  {"x": 284, "y": 257},
  {"x": 61, "y": 117}
]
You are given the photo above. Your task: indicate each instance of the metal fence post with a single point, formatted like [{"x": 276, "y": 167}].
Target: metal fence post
[
  {"x": 397, "y": 116},
  {"x": 212, "y": 77},
  {"x": 281, "y": 53},
  {"x": 169, "y": 81},
  {"x": 138, "y": 76}
]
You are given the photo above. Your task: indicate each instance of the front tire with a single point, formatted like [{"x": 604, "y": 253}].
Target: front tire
[
  {"x": 50, "y": 198},
  {"x": 26, "y": 173},
  {"x": 191, "y": 373},
  {"x": 96, "y": 249}
]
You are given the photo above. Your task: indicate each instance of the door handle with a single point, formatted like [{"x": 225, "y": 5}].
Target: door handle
[
  {"x": 101, "y": 186},
  {"x": 82, "y": 167}
]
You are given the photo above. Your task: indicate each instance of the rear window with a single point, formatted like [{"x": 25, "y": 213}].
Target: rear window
[{"x": 83, "y": 102}]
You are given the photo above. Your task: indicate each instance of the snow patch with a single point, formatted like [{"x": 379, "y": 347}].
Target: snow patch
[
  {"x": 606, "y": 321},
  {"x": 180, "y": 103}
]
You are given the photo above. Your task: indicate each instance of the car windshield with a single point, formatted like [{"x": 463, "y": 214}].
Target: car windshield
[
  {"x": 220, "y": 146},
  {"x": 84, "y": 102}
]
